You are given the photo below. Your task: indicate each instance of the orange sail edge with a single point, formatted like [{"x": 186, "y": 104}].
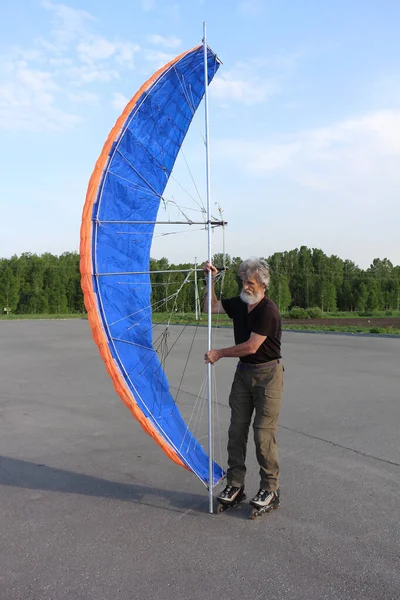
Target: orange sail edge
[
  {"x": 90, "y": 299},
  {"x": 116, "y": 376}
]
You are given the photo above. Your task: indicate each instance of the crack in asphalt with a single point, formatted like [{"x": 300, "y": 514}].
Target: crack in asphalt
[{"x": 315, "y": 437}]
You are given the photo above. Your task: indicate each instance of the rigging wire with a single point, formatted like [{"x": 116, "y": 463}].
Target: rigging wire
[
  {"x": 186, "y": 363},
  {"x": 158, "y": 234},
  {"x": 195, "y": 415}
]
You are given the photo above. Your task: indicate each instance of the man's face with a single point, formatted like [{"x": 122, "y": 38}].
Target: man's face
[{"x": 252, "y": 291}]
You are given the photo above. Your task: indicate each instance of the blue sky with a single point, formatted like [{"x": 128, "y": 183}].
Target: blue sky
[{"x": 305, "y": 118}]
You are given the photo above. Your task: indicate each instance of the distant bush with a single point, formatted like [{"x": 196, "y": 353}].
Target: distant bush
[
  {"x": 298, "y": 313},
  {"x": 315, "y": 312},
  {"x": 389, "y": 313}
]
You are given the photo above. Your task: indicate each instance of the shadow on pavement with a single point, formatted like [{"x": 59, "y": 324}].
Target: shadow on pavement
[{"x": 30, "y": 475}]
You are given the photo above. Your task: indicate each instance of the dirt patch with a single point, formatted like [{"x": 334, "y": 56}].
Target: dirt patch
[{"x": 386, "y": 322}]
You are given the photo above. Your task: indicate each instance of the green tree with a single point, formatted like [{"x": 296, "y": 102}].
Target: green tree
[
  {"x": 374, "y": 295},
  {"x": 347, "y": 294},
  {"x": 329, "y": 296},
  {"x": 54, "y": 288},
  {"x": 299, "y": 277},
  {"x": 32, "y": 298},
  {"x": 9, "y": 288},
  {"x": 302, "y": 280},
  {"x": 279, "y": 291},
  {"x": 361, "y": 297},
  {"x": 68, "y": 265}
]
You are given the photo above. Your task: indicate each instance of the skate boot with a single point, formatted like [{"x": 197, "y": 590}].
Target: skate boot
[
  {"x": 229, "y": 497},
  {"x": 264, "y": 501}
]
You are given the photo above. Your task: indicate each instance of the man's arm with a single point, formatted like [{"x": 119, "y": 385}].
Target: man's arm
[
  {"x": 216, "y": 305},
  {"x": 250, "y": 347}
]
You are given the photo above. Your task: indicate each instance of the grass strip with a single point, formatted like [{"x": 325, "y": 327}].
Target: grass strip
[{"x": 223, "y": 321}]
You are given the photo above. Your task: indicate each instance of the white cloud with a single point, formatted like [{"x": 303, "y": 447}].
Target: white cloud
[
  {"x": 157, "y": 58},
  {"x": 83, "y": 97},
  {"x": 27, "y": 102},
  {"x": 60, "y": 62},
  {"x": 56, "y": 49},
  {"x": 384, "y": 125},
  {"x": 167, "y": 42},
  {"x": 35, "y": 81},
  {"x": 27, "y": 54},
  {"x": 243, "y": 87},
  {"x": 355, "y": 159},
  {"x": 256, "y": 80},
  {"x": 96, "y": 48},
  {"x": 119, "y": 101},
  {"x": 333, "y": 187},
  {"x": 42, "y": 75},
  {"x": 313, "y": 183},
  {"x": 126, "y": 53},
  {"x": 47, "y": 118},
  {"x": 87, "y": 74},
  {"x": 69, "y": 23},
  {"x": 148, "y": 5}
]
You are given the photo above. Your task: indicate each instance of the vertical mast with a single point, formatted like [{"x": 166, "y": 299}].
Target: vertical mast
[
  {"x": 196, "y": 291},
  {"x": 209, "y": 393}
]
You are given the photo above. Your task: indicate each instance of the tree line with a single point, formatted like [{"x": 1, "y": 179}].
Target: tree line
[
  {"x": 45, "y": 284},
  {"x": 304, "y": 278}
]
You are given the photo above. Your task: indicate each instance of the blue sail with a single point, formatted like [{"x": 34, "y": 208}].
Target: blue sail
[{"x": 129, "y": 181}]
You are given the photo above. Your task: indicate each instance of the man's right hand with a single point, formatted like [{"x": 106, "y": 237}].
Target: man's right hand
[
  {"x": 216, "y": 305},
  {"x": 209, "y": 267}
]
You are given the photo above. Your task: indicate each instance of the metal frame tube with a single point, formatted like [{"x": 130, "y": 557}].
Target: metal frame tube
[
  {"x": 211, "y": 222},
  {"x": 152, "y": 272},
  {"x": 209, "y": 373}
]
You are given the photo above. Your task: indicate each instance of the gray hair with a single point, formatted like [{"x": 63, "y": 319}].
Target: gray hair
[{"x": 255, "y": 267}]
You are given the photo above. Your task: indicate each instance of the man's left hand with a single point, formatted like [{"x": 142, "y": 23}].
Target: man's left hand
[{"x": 212, "y": 356}]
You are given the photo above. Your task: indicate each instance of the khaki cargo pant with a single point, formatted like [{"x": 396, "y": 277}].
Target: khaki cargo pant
[{"x": 256, "y": 390}]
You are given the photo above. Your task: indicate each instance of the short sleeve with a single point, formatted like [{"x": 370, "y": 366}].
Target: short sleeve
[{"x": 228, "y": 304}]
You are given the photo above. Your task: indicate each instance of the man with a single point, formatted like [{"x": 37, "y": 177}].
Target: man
[{"x": 258, "y": 382}]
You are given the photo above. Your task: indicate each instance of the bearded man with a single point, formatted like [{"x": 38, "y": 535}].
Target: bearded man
[{"x": 258, "y": 382}]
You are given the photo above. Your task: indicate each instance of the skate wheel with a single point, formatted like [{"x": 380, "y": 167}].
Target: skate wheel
[
  {"x": 254, "y": 515},
  {"x": 220, "y": 508}
]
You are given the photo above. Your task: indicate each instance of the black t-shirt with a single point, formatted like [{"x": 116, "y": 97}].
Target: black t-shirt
[{"x": 264, "y": 319}]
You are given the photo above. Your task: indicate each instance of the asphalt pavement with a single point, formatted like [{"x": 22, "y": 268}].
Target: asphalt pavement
[{"x": 91, "y": 508}]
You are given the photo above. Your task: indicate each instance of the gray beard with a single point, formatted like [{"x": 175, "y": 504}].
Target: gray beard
[{"x": 251, "y": 298}]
